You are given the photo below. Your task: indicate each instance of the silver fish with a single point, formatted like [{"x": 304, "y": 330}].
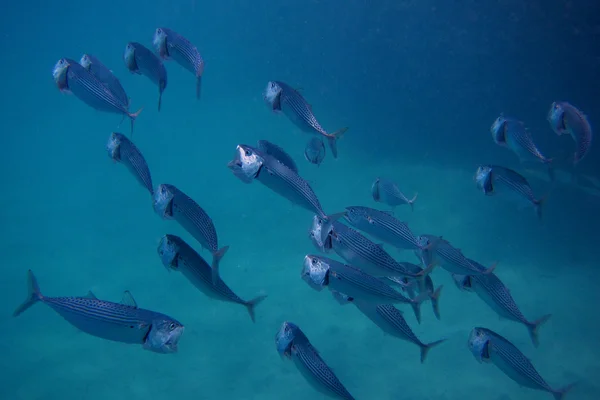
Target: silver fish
[
  {"x": 282, "y": 97},
  {"x": 449, "y": 257},
  {"x": 278, "y": 153},
  {"x": 488, "y": 346},
  {"x": 71, "y": 77},
  {"x": 171, "y": 45},
  {"x": 121, "y": 149},
  {"x": 177, "y": 255},
  {"x": 390, "y": 320},
  {"x": 493, "y": 179},
  {"x": 104, "y": 75},
  {"x": 565, "y": 118},
  {"x": 292, "y": 343},
  {"x": 387, "y": 192},
  {"x": 142, "y": 61},
  {"x": 314, "y": 152},
  {"x": 172, "y": 203},
  {"x": 125, "y": 322},
  {"x": 496, "y": 295},
  {"x": 320, "y": 272}
]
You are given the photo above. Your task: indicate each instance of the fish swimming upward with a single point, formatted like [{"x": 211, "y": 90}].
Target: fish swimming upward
[
  {"x": 564, "y": 119},
  {"x": 121, "y": 149},
  {"x": 142, "y": 61}
]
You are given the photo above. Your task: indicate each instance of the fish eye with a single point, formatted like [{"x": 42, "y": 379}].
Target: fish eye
[
  {"x": 248, "y": 153},
  {"x": 171, "y": 326},
  {"x": 311, "y": 234},
  {"x": 314, "y": 261}
]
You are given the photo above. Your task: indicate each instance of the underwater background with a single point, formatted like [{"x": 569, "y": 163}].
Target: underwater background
[{"x": 418, "y": 83}]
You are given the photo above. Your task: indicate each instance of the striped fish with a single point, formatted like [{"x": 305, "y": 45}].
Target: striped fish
[
  {"x": 171, "y": 45},
  {"x": 121, "y": 149},
  {"x": 383, "y": 226},
  {"x": 282, "y": 97},
  {"x": 496, "y": 295},
  {"x": 320, "y": 272},
  {"x": 177, "y": 255},
  {"x": 72, "y": 77},
  {"x": 278, "y": 153},
  {"x": 565, "y": 118},
  {"x": 104, "y": 75},
  {"x": 493, "y": 179},
  {"x": 292, "y": 343},
  {"x": 488, "y": 346},
  {"x": 125, "y": 322},
  {"x": 142, "y": 61},
  {"x": 387, "y": 192},
  {"x": 172, "y": 203}
]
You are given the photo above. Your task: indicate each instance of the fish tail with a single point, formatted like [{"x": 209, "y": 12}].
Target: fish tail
[
  {"x": 217, "y": 256},
  {"x": 416, "y": 304},
  {"x": 426, "y": 347},
  {"x": 534, "y": 326},
  {"x": 417, "y": 310},
  {"x": 159, "y": 100},
  {"x": 537, "y": 204},
  {"x": 332, "y": 139},
  {"x": 133, "y": 116},
  {"x": 560, "y": 393},
  {"x": 375, "y": 190},
  {"x": 253, "y": 303},
  {"x": 198, "y": 86},
  {"x": 411, "y": 202},
  {"x": 33, "y": 294},
  {"x": 426, "y": 271},
  {"x": 435, "y": 301}
]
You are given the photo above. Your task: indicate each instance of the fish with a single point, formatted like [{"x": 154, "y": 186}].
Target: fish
[
  {"x": 314, "y": 152},
  {"x": 494, "y": 179},
  {"x": 390, "y": 320},
  {"x": 320, "y": 272},
  {"x": 281, "y": 97},
  {"x": 177, "y": 255},
  {"x": 383, "y": 226},
  {"x": 278, "y": 153},
  {"x": 496, "y": 295},
  {"x": 71, "y": 77},
  {"x": 172, "y": 203},
  {"x": 142, "y": 61},
  {"x": 387, "y": 192},
  {"x": 121, "y": 149},
  {"x": 489, "y": 347},
  {"x": 104, "y": 75},
  {"x": 564, "y": 118},
  {"x": 449, "y": 257},
  {"x": 121, "y": 322},
  {"x": 251, "y": 164},
  {"x": 292, "y": 343},
  {"x": 171, "y": 45}
]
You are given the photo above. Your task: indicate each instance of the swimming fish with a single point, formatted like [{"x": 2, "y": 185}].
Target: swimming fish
[
  {"x": 314, "y": 152},
  {"x": 428, "y": 287},
  {"x": 278, "y": 153},
  {"x": 125, "y": 322},
  {"x": 320, "y": 272},
  {"x": 489, "y": 347},
  {"x": 177, "y": 255},
  {"x": 292, "y": 343},
  {"x": 121, "y": 149},
  {"x": 493, "y": 179},
  {"x": 172, "y": 203},
  {"x": 104, "y": 75},
  {"x": 282, "y": 97},
  {"x": 71, "y": 77},
  {"x": 565, "y": 118},
  {"x": 171, "y": 45},
  {"x": 449, "y": 257},
  {"x": 390, "y": 320},
  {"x": 142, "y": 61},
  {"x": 496, "y": 295},
  {"x": 387, "y": 192}
]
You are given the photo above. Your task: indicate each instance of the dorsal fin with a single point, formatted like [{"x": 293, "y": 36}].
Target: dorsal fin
[
  {"x": 128, "y": 299},
  {"x": 90, "y": 295}
]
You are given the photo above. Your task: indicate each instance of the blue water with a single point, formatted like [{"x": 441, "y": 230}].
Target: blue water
[{"x": 418, "y": 83}]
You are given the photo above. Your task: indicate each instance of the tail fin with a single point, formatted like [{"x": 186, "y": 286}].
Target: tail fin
[
  {"x": 159, "y": 100},
  {"x": 426, "y": 347},
  {"x": 217, "y": 255},
  {"x": 332, "y": 138},
  {"x": 537, "y": 204},
  {"x": 416, "y": 304},
  {"x": 534, "y": 326},
  {"x": 435, "y": 301},
  {"x": 411, "y": 202},
  {"x": 198, "y": 86},
  {"x": 33, "y": 294},
  {"x": 133, "y": 116},
  {"x": 253, "y": 303},
  {"x": 560, "y": 393}
]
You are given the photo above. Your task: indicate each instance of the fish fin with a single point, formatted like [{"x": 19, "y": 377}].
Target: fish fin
[
  {"x": 534, "y": 326},
  {"x": 537, "y": 204},
  {"x": 128, "y": 300},
  {"x": 560, "y": 393},
  {"x": 435, "y": 299},
  {"x": 426, "y": 347},
  {"x": 251, "y": 304},
  {"x": 336, "y": 216},
  {"x": 198, "y": 86},
  {"x": 490, "y": 269},
  {"x": 217, "y": 256},
  {"x": 411, "y": 202},
  {"x": 133, "y": 116},
  {"x": 33, "y": 294},
  {"x": 375, "y": 191},
  {"x": 299, "y": 89},
  {"x": 417, "y": 310},
  {"x": 426, "y": 271},
  {"x": 159, "y": 100},
  {"x": 416, "y": 304},
  {"x": 90, "y": 295},
  {"x": 333, "y": 137}
]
